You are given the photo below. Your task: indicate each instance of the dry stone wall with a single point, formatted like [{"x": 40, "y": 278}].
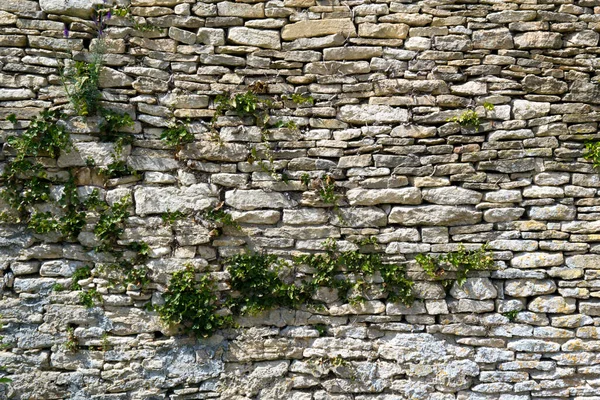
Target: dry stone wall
[{"x": 387, "y": 79}]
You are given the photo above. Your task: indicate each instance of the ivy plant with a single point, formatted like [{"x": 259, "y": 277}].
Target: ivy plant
[
  {"x": 177, "y": 134},
  {"x": 191, "y": 304},
  {"x": 461, "y": 262}
]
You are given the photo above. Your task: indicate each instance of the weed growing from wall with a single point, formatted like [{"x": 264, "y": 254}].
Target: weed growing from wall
[
  {"x": 592, "y": 153},
  {"x": 191, "y": 304},
  {"x": 177, "y": 134},
  {"x": 71, "y": 344},
  {"x": 461, "y": 262}
]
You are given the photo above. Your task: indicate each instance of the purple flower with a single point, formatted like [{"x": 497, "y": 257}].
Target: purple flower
[
  {"x": 66, "y": 31},
  {"x": 108, "y": 15}
]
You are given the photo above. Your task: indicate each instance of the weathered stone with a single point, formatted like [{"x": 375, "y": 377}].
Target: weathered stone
[
  {"x": 451, "y": 196},
  {"x": 383, "y": 31},
  {"x": 523, "y": 109},
  {"x": 529, "y": 287},
  {"x": 368, "y": 114},
  {"x": 254, "y": 199},
  {"x": 254, "y": 37},
  {"x": 533, "y": 346},
  {"x": 211, "y": 36},
  {"x": 75, "y": 8},
  {"x": 157, "y": 200},
  {"x": 547, "y": 85},
  {"x": 434, "y": 215},
  {"x": 230, "y": 9},
  {"x": 537, "y": 260},
  {"x": 493, "y": 39},
  {"x": 553, "y": 304},
  {"x": 538, "y": 40},
  {"x": 312, "y": 28},
  {"x": 230, "y": 152},
  {"x": 474, "y": 288},
  {"x": 583, "y": 261},
  {"x": 558, "y": 212},
  {"x": 370, "y": 197},
  {"x": 504, "y": 17}
]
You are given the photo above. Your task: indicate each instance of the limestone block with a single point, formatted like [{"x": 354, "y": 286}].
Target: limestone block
[
  {"x": 255, "y": 199},
  {"x": 372, "y": 114},
  {"x": 434, "y": 215},
  {"x": 158, "y": 200},
  {"x": 75, "y": 8},
  {"x": 312, "y": 28},
  {"x": 255, "y": 37}
]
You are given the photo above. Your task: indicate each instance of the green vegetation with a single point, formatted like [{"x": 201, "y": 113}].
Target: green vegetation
[
  {"x": 301, "y": 98},
  {"x": 111, "y": 126},
  {"x": 261, "y": 282},
  {"x": 177, "y": 134},
  {"x": 89, "y": 298},
  {"x": 353, "y": 285},
  {"x": 461, "y": 262},
  {"x": 170, "y": 217},
  {"x": 511, "y": 315},
  {"x": 117, "y": 169},
  {"x": 257, "y": 108},
  {"x": 468, "y": 118},
  {"x": 110, "y": 225},
  {"x": 256, "y": 278},
  {"x": 71, "y": 344},
  {"x": 79, "y": 275},
  {"x": 220, "y": 217},
  {"x": 592, "y": 153},
  {"x": 191, "y": 304},
  {"x": 81, "y": 83},
  {"x": 3, "y": 379}
]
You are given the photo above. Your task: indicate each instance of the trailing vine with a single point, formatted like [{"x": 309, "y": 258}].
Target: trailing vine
[
  {"x": 191, "y": 304},
  {"x": 461, "y": 262}
]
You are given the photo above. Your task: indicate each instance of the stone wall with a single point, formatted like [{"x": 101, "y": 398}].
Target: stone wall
[{"x": 386, "y": 78}]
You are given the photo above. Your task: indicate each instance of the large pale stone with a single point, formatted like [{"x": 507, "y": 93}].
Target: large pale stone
[
  {"x": 534, "y": 346},
  {"x": 544, "y": 85},
  {"x": 370, "y": 197},
  {"x": 206, "y": 150},
  {"x": 110, "y": 78},
  {"x": 591, "y": 307},
  {"x": 383, "y": 31},
  {"x": 211, "y": 36},
  {"x": 474, "y": 288},
  {"x": 451, "y": 195},
  {"x": 507, "y": 16},
  {"x": 523, "y": 109},
  {"x": 230, "y": 9},
  {"x": 372, "y": 114},
  {"x": 529, "y": 287},
  {"x": 157, "y": 200},
  {"x": 178, "y": 99},
  {"x": 537, "y": 260},
  {"x": 16, "y": 94},
  {"x": 590, "y": 261},
  {"x": 434, "y": 215},
  {"x": 538, "y": 40},
  {"x": 557, "y": 212},
  {"x": 75, "y": 8},
  {"x": 360, "y": 217},
  {"x": 254, "y": 199},
  {"x": 312, "y": 28},
  {"x": 413, "y": 131},
  {"x": 553, "y": 304},
  {"x": 102, "y": 154},
  {"x": 255, "y": 37},
  {"x": 493, "y": 39}
]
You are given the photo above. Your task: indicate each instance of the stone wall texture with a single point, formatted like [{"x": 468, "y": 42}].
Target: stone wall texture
[{"x": 386, "y": 77}]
